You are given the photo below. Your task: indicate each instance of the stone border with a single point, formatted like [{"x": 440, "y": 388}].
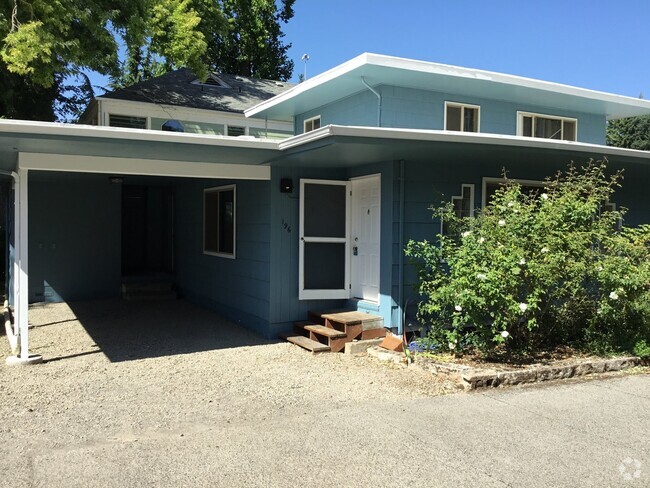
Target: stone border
[{"x": 472, "y": 378}]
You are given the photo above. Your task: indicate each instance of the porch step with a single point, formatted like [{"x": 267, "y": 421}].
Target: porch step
[
  {"x": 333, "y": 329},
  {"x": 325, "y": 331},
  {"x": 306, "y": 343}
]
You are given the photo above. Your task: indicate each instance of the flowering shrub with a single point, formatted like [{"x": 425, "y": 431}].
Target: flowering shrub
[{"x": 534, "y": 271}]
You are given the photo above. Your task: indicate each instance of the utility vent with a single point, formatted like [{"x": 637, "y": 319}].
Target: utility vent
[{"x": 214, "y": 81}]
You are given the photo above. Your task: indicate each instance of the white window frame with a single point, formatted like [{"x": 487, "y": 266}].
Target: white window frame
[
  {"x": 520, "y": 124},
  {"x": 219, "y": 189},
  {"x": 471, "y": 202},
  {"x": 311, "y": 119},
  {"x": 463, "y": 106},
  {"x": 489, "y": 179},
  {"x": 132, "y": 115}
]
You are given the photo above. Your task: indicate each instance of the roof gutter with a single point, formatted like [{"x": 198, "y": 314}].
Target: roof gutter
[{"x": 378, "y": 95}]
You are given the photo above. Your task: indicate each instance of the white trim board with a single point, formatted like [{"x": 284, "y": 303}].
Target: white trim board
[{"x": 146, "y": 167}]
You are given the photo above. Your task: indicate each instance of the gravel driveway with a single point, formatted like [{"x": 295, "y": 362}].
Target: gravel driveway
[{"x": 117, "y": 372}]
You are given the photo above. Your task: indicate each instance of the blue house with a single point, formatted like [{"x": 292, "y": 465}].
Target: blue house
[{"x": 263, "y": 230}]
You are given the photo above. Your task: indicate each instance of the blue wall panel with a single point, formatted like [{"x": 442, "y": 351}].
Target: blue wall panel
[
  {"x": 421, "y": 109},
  {"x": 236, "y": 288},
  {"x": 74, "y": 237}
]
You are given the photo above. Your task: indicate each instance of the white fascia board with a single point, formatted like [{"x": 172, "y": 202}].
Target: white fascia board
[
  {"x": 308, "y": 84},
  {"x": 24, "y": 127},
  {"x": 147, "y": 167},
  {"x": 145, "y": 109},
  {"x": 448, "y": 70},
  {"x": 458, "y": 137}
]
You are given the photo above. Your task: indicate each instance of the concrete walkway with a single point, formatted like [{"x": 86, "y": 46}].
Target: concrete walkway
[{"x": 243, "y": 416}]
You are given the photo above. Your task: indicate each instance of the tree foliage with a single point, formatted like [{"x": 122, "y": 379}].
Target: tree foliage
[
  {"x": 48, "y": 45},
  {"x": 537, "y": 271},
  {"x": 252, "y": 44},
  {"x": 630, "y": 133}
]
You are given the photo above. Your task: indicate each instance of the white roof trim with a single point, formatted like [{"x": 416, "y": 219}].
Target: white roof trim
[
  {"x": 458, "y": 137},
  {"x": 133, "y": 166},
  {"x": 443, "y": 69},
  {"x": 59, "y": 129}
]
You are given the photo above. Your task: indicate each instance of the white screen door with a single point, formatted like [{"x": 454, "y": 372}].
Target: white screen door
[
  {"x": 324, "y": 239},
  {"x": 365, "y": 232}
]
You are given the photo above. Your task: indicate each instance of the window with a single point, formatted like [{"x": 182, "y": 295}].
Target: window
[
  {"x": 312, "y": 124},
  {"x": 463, "y": 118},
  {"x": 235, "y": 131},
  {"x": 491, "y": 185},
  {"x": 127, "y": 121},
  {"x": 546, "y": 126},
  {"x": 219, "y": 221},
  {"x": 463, "y": 205}
]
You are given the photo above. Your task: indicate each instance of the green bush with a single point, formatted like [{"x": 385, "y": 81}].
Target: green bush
[{"x": 533, "y": 271}]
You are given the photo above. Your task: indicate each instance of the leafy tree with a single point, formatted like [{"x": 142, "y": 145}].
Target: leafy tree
[
  {"x": 252, "y": 45},
  {"x": 631, "y": 133},
  {"x": 46, "y": 44}
]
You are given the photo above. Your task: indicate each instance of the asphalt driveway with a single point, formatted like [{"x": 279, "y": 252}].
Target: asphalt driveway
[{"x": 172, "y": 395}]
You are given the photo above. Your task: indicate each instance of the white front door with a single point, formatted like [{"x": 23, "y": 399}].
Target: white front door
[{"x": 365, "y": 233}]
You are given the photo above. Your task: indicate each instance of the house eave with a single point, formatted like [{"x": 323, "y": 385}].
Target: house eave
[
  {"x": 386, "y": 134},
  {"x": 414, "y": 73}
]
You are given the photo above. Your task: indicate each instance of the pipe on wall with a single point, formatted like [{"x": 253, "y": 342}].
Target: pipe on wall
[
  {"x": 401, "y": 247},
  {"x": 378, "y": 95}
]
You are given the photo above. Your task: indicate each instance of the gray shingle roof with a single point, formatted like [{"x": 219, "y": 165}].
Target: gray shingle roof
[{"x": 177, "y": 88}]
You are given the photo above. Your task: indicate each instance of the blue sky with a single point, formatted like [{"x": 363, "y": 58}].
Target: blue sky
[{"x": 596, "y": 44}]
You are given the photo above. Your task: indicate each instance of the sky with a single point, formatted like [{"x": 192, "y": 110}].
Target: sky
[{"x": 596, "y": 44}]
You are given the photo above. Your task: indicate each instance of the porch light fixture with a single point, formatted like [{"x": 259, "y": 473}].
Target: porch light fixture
[
  {"x": 286, "y": 185},
  {"x": 116, "y": 180}
]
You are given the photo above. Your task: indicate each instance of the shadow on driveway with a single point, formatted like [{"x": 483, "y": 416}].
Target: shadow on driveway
[{"x": 125, "y": 331}]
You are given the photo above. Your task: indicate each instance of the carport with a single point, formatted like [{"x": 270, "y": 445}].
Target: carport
[{"x": 31, "y": 149}]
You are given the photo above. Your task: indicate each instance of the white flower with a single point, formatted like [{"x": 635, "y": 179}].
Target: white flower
[
  {"x": 481, "y": 276},
  {"x": 502, "y": 222},
  {"x": 452, "y": 345},
  {"x": 544, "y": 196},
  {"x": 458, "y": 308},
  {"x": 522, "y": 261},
  {"x": 523, "y": 307},
  {"x": 481, "y": 240},
  {"x": 466, "y": 233},
  {"x": 613, "y": 295},
  {"x": 545, "y": 249},
  {"x": 511, "y": 204},
  {"x": 600, "y": 268},
  {"x": 504, "y": 334}
]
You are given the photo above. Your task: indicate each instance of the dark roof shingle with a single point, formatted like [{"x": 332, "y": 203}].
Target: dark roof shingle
[{"x": 177, "y": 88}]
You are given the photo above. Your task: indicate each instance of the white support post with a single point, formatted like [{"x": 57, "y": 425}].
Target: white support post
[
  {"x": 21, "y": 279},
  {"x": 15, "y": 263}
]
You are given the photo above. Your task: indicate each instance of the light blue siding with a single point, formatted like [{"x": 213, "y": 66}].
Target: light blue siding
[
  {"x": 236, "y": 288},
  {"x": 74, "y": 237},
  {"x": 421, "y": 109}
]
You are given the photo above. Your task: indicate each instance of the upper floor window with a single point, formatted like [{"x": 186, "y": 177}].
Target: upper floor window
[
  {"x": 127, "y": 121},
  {"x": 219, "y": 221},
  {"x": 312, "y": 124},
  {"x": 546, "y": 126},
  {"x": 462, "y": 117},
  {"x": 235, "y": 130}
]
